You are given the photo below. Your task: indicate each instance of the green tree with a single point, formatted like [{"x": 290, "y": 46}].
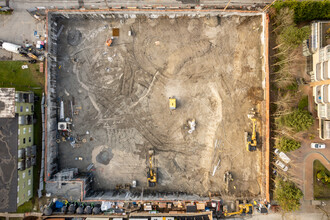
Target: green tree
[
  {"x": 292, "y": 36},
  {"x": 298, "y": 120},
  {"x": 287, "y": 144},
  {"x": 287, "y": 194}
]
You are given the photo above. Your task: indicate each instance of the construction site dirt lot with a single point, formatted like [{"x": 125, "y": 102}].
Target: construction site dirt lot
[{"x": 120, "y": 94}]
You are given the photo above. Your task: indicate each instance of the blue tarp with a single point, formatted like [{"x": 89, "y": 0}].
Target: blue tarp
[{"x": 58, "y": 204}]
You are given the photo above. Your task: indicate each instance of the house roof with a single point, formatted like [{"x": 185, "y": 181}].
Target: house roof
[
  {"x": 7, "y": 102},
  {"x": 8, "y": 164}
]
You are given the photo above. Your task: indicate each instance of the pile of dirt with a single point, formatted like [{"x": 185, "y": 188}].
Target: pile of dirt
[
  {"x": 104, "y": 156},
  {"x": 74, "y": 37}
]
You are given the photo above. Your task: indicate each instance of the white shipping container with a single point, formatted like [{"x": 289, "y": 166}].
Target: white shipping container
[{"x": 11, "y": 47}]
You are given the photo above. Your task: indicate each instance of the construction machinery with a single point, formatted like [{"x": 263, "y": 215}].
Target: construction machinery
[
  {"x": 251, "y": 138},
  {"x": 152, "y": 172},
  {"x": 172, "y": 102},
  {"x": 244, "y": 209},
  {"x": 109, "y": 42}
]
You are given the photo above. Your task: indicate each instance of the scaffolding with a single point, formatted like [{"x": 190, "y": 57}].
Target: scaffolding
[{"x": 65, "y": 175}]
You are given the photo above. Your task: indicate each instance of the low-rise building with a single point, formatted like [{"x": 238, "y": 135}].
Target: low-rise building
[
  {"x": 320, "y": 77},
  {"x": 16, "y": 112},
  {"x": 24, "y": 108}
]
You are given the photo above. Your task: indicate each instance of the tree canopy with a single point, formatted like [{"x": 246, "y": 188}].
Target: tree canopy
[
  {"x": 299, "y": 120},
  {"x": 287, "y": 194},
  {"x": 293, "y": 36},
  {"x": 287, "y": 144}
]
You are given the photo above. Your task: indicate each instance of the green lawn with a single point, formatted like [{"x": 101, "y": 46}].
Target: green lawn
[
  {"x": 26, "y": 207},
  {"x": 12, "y": 75},
  {"x": 321, "y": 191}
]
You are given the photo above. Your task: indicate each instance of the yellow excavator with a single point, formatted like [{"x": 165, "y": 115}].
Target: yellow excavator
[
  {"x": 152, "y": 173},
  {"x": 243, "y": 210},
  {"x": 251, "y": 139}
]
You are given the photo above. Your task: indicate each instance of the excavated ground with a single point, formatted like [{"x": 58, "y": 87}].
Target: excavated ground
[{"x": 211, "y": 65}]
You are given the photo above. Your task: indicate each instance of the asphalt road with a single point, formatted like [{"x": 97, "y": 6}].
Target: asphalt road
[{"x": 25, "y": 4}]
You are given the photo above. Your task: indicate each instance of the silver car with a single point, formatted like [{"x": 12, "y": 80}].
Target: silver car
[{"x": 282, "y": 165}]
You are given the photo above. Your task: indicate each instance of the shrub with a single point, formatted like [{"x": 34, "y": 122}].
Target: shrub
[
  {"x": 287, "y": 194},
  {"x": 287, "y": 144},
  {"x": 299, "y": 120},
  {"x": 307, "y": 10},
  {"x": 6, "y": 12},
  {"x": 321, "y": 175},
  {"x": 293, "y": 87},
  {"x": 303, "y": 103}
]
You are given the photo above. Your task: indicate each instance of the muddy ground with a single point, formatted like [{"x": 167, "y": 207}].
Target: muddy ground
[{"x": 211, "y": 65}]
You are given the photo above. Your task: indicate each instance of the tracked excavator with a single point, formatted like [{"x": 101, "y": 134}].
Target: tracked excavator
[
  {"x": 251, "y": 138},
  {"x": 244, "y": 209},
  {"x": 152, "y": 172}
]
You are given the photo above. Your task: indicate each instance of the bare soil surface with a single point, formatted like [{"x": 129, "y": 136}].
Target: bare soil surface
[{"x": 211, "y": 65}]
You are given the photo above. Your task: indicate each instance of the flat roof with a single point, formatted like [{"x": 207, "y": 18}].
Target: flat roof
[
  {"x": 7, "y": 102},
  {"x": 8, "y": 164}
]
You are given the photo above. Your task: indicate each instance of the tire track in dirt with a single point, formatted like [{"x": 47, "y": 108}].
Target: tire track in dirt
[{"x": 186, "y": 53}]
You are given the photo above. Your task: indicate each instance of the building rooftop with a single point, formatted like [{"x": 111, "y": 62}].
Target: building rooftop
[
  {"x": 8, "y": 164},
  {"x": 7, "y": 102}
]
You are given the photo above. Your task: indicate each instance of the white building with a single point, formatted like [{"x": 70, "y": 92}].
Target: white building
[{"x": 320, "y": 47}]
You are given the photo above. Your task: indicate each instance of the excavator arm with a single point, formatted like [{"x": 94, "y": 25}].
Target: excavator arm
[
  {"x": 251, "y": 139},
  {"x": 152, "y": 172},
  {"x": 254, "y": 132}
]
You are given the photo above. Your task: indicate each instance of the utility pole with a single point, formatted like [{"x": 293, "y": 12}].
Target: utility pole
[
  {"x": 227, "y": 5},
  {"x": 106, "y": 3},
  {"x": 267, "y": 6}
]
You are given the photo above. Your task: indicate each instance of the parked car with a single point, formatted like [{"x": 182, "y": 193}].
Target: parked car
[
  {"x": 317, "y": 146},
  {"x": 281, "y": 165},
  {"x": 282, "y": 155}
]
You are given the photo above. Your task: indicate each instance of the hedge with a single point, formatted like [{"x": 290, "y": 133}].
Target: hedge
[{"x": 307, "y": 10}]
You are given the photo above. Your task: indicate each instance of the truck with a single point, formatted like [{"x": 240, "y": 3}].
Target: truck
[{"x": 282, "y": 156}]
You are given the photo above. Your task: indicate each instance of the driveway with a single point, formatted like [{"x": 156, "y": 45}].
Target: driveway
[
  {"x": 308, "y": 171},
  {"x": 301, "y": 167}
]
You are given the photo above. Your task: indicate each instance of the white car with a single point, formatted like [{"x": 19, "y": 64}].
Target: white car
[
  {"x": 281, "y": 165},
  {"x": 282, "y": 155},
  {"x": 317, "y": 146}
]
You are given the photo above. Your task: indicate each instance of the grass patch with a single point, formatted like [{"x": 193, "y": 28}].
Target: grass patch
[
  {"x": 12, "y": 75},
  {"x": 25, "y": 207},
  {"x": 321, "y": 190},
  {"x": 303, "y": 103}
]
